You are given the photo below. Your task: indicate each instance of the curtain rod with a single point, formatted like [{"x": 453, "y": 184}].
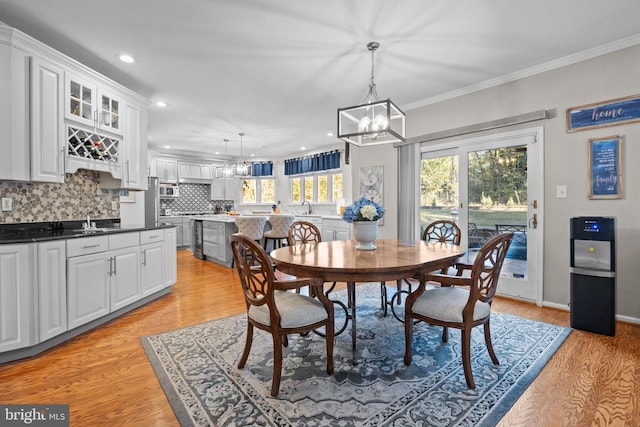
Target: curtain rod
[{"x": 493, "y": 124}]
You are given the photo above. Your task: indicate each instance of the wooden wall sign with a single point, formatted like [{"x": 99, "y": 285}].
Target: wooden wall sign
[
  {"x": 605, "y": 171},
  {"x": 607, "y": 113}
]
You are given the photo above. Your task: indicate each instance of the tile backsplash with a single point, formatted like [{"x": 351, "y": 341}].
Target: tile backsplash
[
  {"x": 80, "y": 195},
  {"x": 192, "y": 198}
]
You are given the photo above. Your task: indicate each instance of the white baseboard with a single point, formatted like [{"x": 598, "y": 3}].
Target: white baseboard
[{"x": 564, "y": 307}]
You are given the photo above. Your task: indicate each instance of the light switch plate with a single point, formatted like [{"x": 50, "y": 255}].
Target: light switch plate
[
  {"x": 561, "y": 191},
  {"x": 6, "y": 204}
]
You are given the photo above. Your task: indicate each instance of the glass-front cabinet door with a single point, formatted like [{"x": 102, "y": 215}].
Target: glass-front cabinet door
[
  {"x": 90, "y": 105},
  {"x": 109, "y": 113},
  {"x": 80, "y": 100}
]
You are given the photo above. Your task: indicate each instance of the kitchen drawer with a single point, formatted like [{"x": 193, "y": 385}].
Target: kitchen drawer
[
  {"x": 123, "y": 240},
  {"x": 87, "y": 245},
  {"x": 151, "y": 236},
  {"x": 209, "y": 235},
  {"x": 210, "y": 225},
  {"x": 210, "y": 249}
]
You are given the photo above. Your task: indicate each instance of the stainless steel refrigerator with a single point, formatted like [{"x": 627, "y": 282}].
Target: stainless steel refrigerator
[{"x": 152, "y": 203}]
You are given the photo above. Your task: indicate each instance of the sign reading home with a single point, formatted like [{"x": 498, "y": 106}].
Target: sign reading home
[{"x": 607, "y": 113}]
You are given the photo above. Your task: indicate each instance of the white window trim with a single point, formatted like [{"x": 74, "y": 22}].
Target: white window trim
[
  {"x": 329, "y": 173},
  {"x": 258, "y": 181}
]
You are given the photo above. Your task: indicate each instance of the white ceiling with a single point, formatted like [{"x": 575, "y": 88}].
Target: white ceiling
[{"x": 277, "y": 70}]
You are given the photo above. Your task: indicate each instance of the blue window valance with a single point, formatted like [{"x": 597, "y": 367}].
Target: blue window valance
[
  {"x": 261, "y": 168},
  {"x": 313, "y": 163}
]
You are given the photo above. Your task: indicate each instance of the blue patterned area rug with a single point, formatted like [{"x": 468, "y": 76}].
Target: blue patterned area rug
[{"x": 196, "y": 367}]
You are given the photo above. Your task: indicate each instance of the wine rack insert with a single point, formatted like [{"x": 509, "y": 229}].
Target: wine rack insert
[{"x": 90, "y": 145}]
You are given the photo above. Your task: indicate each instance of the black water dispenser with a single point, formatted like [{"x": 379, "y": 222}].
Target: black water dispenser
[{"x": 593, "y": 274}]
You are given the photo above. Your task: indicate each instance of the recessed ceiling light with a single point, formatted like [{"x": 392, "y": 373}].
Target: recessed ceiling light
[
  {"x": 161, "y": 104},
  {"x": 303, "y": 148},
  {"x": 127, "y": 58},
  {"x": 329, "y": 133},
  {"x": 167, "y": 146},
  {"x": 217, "y": 152}
]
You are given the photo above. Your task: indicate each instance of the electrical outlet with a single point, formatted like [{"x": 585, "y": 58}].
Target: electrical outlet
[
  {"x": 114, "y": 206},
  {"x": 7, "y": 204}
]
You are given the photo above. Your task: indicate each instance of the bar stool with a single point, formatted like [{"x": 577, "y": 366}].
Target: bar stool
[
  {"x": 279, "y": 230},
  {"x": 252, "y": 227}
]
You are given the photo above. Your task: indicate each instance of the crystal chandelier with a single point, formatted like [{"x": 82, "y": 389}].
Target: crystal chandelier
[
  {"x": 242, "y": 168},
  {"x": 373, "y": 122},
  {"x": 226, "y": 170}
]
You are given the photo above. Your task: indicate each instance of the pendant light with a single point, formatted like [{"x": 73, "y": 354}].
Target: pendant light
[
  {"x": 374, "y": 121},
  {"x": 243, "y": 168},
  {"x": 226, "y": 170}
]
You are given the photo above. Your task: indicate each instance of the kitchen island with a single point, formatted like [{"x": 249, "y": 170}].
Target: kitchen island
[
  {"x": 214, "y": 236},
  {"x": 212, "y": 242},
  {"x": 59, "y": 280}
]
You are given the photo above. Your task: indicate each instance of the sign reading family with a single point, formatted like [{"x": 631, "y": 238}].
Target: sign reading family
[
  {"x": 607, "y": 113},
  {"x": 605, "y": 172}
]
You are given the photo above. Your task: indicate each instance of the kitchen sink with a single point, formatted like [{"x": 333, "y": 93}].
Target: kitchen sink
[{"x": 94, "y": 230}]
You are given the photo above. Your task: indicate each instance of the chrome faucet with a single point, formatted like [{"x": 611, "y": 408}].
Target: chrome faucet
[{"x": 307, "y": 202}]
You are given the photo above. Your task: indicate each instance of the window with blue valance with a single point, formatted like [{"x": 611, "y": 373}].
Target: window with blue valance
[
  {"x": 313, "y": 163},
  {"x": 261, "y": 168}
]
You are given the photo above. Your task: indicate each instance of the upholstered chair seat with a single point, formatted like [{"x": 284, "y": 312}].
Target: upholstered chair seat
[
  {"x": 279, "y": 230},
  {"x": 462, "y": 302}
]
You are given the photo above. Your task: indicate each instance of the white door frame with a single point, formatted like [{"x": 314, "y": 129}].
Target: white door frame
[{"x": 535, "y": 188}]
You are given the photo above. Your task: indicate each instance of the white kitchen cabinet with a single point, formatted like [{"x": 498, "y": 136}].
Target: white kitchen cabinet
[
  {"x": 52, "y": 289},
  {"x": 187, "y": 232},
  {"x": 195, "y": 172},
  {"x": 17, "y": 307},
  {"x": 47, "y": 124},
  {"x": 88, "y": 280},
  {"x": 88, "y": 104},
  {"x": 335, "y": 229},
  {"x": 167, "y": 170},
  {"x": 134, "y": 173},
  {"x": 14, "y": 123},
  {"x": 225, "y": 189},
  {"x": 179, "y": 233},
  {"x": 171, "y": 273},
  {"x": 124, "y": 269},
  {"x": 152, "y": 249}
]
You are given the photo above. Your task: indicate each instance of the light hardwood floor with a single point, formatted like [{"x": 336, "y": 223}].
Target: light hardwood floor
[{"x": 104, "y": 375}]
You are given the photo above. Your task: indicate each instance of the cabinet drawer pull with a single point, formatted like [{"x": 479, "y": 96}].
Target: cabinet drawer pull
[
  {"x": 90, "y": 246},
  {"x": 155, "y": 236}
]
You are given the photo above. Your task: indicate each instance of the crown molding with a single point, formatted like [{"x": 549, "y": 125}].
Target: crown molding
[{"x": 528, "y": 72}]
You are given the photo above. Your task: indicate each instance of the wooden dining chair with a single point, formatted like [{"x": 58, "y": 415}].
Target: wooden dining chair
[
  {"x": 444, "y": 231},
  {"x": 271, "y": 308},
  {"x": 462, "y": 302},
  {"x": 304, "y": 232}
]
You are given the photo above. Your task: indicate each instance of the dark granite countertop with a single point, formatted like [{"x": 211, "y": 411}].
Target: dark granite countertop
[{"x": 28, "y": 232}]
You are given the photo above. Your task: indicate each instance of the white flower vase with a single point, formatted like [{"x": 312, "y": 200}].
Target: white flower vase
[{"x": 365, "y": 233}]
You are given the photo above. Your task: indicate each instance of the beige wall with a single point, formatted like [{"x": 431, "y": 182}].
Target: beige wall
[{"x": 565, "y": 161}]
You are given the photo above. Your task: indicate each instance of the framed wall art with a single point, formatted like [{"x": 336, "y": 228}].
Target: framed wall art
[
  {"x": 371, "y": 184},
  {"x": 605, "y": 167},
  {"x": 606, "y": 113}
]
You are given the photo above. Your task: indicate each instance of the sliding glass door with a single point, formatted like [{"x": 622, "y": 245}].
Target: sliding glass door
[{"x": 488, "y": 186}]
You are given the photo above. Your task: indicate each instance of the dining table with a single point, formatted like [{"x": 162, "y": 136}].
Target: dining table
[{"x": 342, "y": 261}]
